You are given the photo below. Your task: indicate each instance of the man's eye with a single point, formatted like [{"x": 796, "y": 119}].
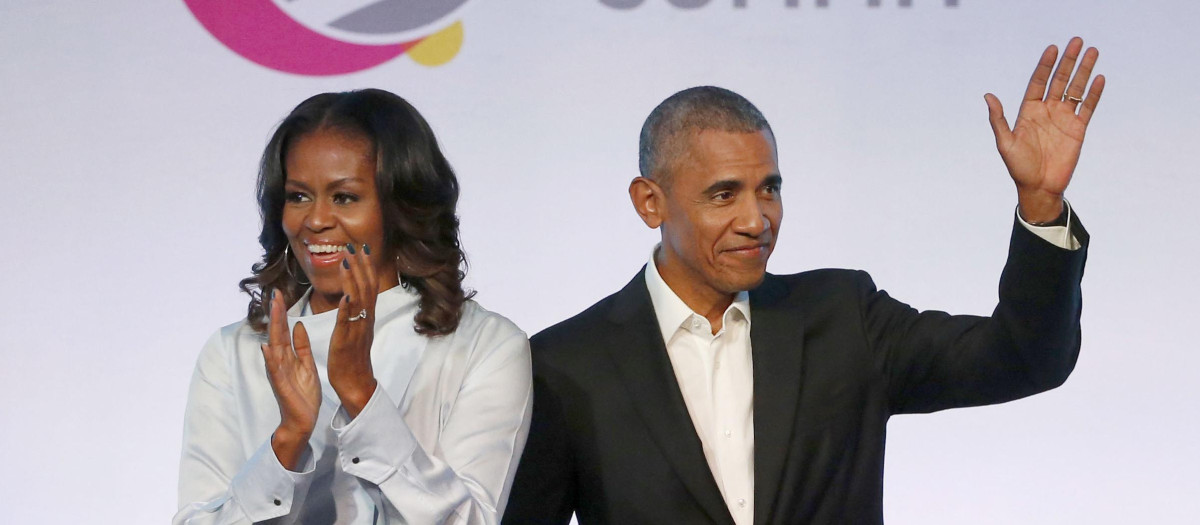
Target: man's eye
[
  {"x": 772, "y": 188},
  {"x": 723, "y": 195}
]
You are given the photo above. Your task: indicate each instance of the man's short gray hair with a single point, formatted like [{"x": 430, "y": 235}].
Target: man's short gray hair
[{"x": 664, "y": 134}]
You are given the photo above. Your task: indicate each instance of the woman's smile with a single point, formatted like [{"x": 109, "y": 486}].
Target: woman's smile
[{"x": 324, "y": 253}]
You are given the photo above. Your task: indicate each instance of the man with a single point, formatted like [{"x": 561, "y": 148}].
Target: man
[{"x": 707, "y": 391}]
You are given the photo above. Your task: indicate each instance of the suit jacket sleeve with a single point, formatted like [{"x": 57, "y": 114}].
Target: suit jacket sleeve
[
  {"x": 933, "y": 361},
  {"x": 544, "y": 490}
]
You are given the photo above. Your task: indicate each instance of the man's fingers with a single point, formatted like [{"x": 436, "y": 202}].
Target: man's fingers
[
  {"x": 1065, "y": 67},
  {"x": 996, "y": 118},
  {"x": 1092, "y": 99},
  {"x": 1080, "y": 80},
  {"x": 1041, "y": 74}
]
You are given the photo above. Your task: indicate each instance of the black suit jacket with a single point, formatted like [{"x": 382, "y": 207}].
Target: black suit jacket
[{"x": 833, "y": 358}]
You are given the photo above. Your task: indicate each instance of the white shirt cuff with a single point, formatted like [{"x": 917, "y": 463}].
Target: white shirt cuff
[
  {"x": 374, "y": 444},
  {"x": 264, "y": 489},
  {"x": 1057, "y": 235}
]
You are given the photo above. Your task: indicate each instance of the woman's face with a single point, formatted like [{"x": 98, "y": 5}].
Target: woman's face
[{"x": 330, "y": 200}]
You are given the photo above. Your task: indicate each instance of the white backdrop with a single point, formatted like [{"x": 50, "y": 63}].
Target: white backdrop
[{"x": 129, "y": 138}]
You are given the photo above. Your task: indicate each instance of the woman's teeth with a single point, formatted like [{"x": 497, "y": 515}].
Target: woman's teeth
[{"x": 326, "y": 248}]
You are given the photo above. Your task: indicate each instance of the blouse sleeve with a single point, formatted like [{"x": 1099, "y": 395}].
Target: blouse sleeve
[
  {"x": 218, "y": 483},
  {"x": 466, "y": 478}
]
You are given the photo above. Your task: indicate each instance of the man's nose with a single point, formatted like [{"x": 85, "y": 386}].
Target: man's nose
[{"x": 751, "y": 218}]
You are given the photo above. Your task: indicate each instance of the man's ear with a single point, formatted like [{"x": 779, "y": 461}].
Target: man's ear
[{"x": 647, "y": 197}]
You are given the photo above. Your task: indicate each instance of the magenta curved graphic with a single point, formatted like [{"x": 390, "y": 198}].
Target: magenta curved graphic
[{"x": 261, "y": 32}]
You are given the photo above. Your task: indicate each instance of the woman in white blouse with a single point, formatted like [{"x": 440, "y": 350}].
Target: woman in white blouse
[{"x": 364, "y": 386}]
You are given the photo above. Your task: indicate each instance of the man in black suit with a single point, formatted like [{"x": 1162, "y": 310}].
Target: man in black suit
[{"x": 707, "y": 391}]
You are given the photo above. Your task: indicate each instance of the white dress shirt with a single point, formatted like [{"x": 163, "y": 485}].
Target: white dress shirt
[
  {"x": 438, "y": 442},
  {"x": 716, "y": 376},
  {"x": 1060, "y": 236}
]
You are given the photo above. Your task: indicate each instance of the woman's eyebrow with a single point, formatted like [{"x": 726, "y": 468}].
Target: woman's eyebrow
[{"x": 344, "y": 181}]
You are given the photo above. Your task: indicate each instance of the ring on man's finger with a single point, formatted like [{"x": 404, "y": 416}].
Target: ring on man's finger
[{"x": 362, "y": 314}]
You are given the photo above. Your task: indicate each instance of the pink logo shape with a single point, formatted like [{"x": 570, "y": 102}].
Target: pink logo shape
[{"x": 263, "y": 33}]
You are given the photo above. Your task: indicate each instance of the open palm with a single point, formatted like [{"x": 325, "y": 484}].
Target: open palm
[
  {"x": 1042, "y": 148},
  {"x": 292, "y": 372}
]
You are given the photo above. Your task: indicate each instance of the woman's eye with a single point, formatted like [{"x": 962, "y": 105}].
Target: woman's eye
[
  {"x": 345, "y": 198},
  {"x": 296, "y": 196}
]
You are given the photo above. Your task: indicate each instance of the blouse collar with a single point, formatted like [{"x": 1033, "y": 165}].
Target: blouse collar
[
  {"x": 394, "y": 362},
  {"x": 388, "y": 301}
]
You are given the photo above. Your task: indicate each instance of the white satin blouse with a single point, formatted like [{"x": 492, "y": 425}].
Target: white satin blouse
[{"x": 438, "y": 442}]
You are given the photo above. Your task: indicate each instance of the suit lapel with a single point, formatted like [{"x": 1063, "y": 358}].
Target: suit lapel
[
  {"x": 641, "y": 358},
  {"x": 776, "y": 341}
]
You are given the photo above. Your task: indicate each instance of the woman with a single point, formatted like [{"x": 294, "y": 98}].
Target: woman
[{"x": 364, "y": 386}]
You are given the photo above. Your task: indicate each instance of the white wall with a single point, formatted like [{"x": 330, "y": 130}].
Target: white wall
[{"x": 129, "y": 138}]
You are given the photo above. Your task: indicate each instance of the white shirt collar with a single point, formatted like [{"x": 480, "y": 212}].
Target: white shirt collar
[{"x": 671, "y": 311}]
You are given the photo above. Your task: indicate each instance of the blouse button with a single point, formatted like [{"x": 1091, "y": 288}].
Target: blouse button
[
  {"x": 277, "y": 502},
  {"x": 741, "y": 502}
]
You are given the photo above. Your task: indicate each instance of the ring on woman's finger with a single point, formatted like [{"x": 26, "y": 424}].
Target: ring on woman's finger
[
  {"x": 361, "y": 315},
  {"x": 1071, "y": 98}
]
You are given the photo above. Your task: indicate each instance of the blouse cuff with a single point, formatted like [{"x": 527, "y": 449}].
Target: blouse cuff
[
  {"x": 264, "y": 489},
  {"x": 377, "y": 442}
]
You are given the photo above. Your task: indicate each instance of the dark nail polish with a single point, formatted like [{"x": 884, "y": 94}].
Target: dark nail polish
[
  {"x": 366, "y": 248},
  {"x": 350, "y": 248},
  {"x": 346, "y": 263}
]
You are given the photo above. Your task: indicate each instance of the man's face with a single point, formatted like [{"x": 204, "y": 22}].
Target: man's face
[{"x": 720, "y": 212}]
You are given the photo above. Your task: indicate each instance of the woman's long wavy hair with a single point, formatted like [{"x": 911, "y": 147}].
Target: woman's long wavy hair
[{"x": 417, "y": 191}]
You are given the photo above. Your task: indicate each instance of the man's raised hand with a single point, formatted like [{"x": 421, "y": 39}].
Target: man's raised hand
[{"x": 1042, "y": 148}]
